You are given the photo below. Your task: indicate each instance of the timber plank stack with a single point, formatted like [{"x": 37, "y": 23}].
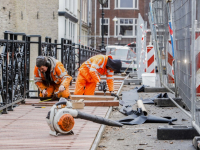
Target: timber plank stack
[{"x": 99, "y": 99}]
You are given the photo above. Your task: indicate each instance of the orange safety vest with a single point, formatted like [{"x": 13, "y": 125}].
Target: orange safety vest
[
  {"x": 58, "y": 75},
  {"x": 94, "y": 67}
]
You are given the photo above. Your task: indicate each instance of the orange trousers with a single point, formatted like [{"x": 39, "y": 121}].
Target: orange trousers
[
  {"x": 54, "y": 88},
  {"x": 84, "y": 87}
]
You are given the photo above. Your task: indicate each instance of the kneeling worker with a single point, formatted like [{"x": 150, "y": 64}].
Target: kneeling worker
[
  {"x": 50, "y": 76},
  {"x": 90, "y": 71}
]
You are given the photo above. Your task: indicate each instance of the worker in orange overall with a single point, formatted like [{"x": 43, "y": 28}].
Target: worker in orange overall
[
  {"x": 91, "y": 70},
  {"x": 50, "y": 76}
]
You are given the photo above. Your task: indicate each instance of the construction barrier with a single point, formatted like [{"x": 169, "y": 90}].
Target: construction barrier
[
  {"x": 150, "y": 59},
  {"x": 178, "y": 21}
]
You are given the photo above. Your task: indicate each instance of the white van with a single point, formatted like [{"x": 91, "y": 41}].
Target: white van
[{"x": 125, "y": 54}]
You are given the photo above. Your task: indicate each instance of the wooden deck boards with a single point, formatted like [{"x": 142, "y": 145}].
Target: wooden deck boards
[
  {"x": 102, "y": 103},
  {"x": 26, "y": 128}
]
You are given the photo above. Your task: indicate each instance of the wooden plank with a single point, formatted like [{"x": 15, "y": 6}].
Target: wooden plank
[
  {"x": 96, "y": 92},
  {"x": 35, "y": 102},
  {"x": 87, "y": 103},
  {"x": 91, "y": 97},
  {"x": 115, "y": 86},
  {"x": 115, "y": 83},
  {"x": 73, "y": 88},
  {"x": 115, "y": 78},
  {"x": 102, "y": 103}
]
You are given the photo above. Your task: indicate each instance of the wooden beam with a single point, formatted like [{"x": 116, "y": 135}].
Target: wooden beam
[
  {"x": 73, "y": 88},
  {"x": 115, "y": 78},
  {"x": 115, "y": 83},
  {"x": 115, "y": 86},
  {"x": 35, "y": 102},
  {"x": 87, "y": 103},
  {"x": 96, "y": 92},
  {"x": 92, "y": 97},
  {"x": 102, "y": 103}
]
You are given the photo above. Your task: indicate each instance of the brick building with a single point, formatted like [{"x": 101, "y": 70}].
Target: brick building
[{"x": 126, "y": 12}]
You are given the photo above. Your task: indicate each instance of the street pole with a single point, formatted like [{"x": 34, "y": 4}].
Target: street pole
[
  {"x": 102, "y": 20},
  {"x": 102, "y": 2}
]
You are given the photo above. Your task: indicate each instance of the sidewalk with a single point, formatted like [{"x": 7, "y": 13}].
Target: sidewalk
[{"x": 144, "y": 136}]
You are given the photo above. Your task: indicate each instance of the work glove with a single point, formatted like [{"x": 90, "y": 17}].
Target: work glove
[
  {"x": 44, "y": 93},
  {"x": 61, "y": 88}
]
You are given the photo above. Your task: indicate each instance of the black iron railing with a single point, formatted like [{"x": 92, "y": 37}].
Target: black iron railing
[{"x": 15, "y": 62}]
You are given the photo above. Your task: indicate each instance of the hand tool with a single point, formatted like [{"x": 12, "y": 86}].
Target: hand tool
[{"x": 102, "y": 87}]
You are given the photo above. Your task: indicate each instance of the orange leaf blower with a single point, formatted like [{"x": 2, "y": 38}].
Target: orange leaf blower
[{"x": 61, "y": 118}]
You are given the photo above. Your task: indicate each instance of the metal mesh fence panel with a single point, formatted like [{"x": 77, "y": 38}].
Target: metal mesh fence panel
[
  {"x": 162, "y": 11},
  {"x": 197, "y": 63},
  {"x": 141, "y": 45},
  {"x": 153, "y": 20},
  {"x": 182, "y": 19}
]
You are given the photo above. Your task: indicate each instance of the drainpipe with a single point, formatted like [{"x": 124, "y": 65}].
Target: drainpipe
[
  {"x": 80, "y": 23},
  {"x": 88, "y": 15},
  {"x": 95, "y": 24}
]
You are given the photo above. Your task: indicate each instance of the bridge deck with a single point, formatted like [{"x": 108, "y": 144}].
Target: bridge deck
[{"x": 26, "y": 128}]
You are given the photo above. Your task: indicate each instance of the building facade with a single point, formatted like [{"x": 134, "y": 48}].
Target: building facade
[
  {"x": 122, "y": 31},
  {"x": 53, "y": 18},
  {"x": 68, "y": 20}
]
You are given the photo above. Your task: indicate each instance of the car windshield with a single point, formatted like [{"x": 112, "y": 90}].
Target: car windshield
[{"x": 123, "y": 54}]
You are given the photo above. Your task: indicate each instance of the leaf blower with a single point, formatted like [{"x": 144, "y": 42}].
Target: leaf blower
[{"x": 61, "y": 116}]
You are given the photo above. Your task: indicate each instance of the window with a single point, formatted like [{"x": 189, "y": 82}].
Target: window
[
  {"x": 71, "y": 31},
  {"x": 67, "y": 4},
  {"x": 70, "y": 5},
  {"x": 106, "y": 5},
  {"x": 73, "y": 36},
  {"x": 105, "y": 27},
  {"x": 84, "y": 11},
  {"x": 65, "y": 28},
  {"x": 126, "y": 4},
  {"x": 69, "y": 28},
  {"x": 126, "y": 27},
  {"x": 74, "y": 7}
]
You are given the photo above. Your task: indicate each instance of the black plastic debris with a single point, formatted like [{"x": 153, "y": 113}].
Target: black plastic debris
[
  {"x": 165, "y": 95},
  {"x": 128, "y": 100},
  {"x": 151, "y": 100},
  {"x": 141, "y": 88},
  {"x": 137, "y": 117}
]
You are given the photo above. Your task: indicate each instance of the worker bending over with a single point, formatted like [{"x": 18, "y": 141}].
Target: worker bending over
[
  {"x": 50, "y": 76},
  {"x": 91, "y": 70}
]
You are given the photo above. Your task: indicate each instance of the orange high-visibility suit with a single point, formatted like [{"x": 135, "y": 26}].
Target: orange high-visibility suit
[
  {"x": 89, "y": 75},
  {"x": 58, "y": 76}
]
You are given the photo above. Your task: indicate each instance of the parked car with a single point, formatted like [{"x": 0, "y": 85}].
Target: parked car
[{"x": 125, "y": 54}]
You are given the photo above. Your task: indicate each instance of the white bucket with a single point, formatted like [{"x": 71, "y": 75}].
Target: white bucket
[{"x": 149, "y": 79}]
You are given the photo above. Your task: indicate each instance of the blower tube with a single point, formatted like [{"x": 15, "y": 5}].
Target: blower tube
[{"x": 98, "y": 119}]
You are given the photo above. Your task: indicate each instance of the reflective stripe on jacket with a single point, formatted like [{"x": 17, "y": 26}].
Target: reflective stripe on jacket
[
  {"x": 58, "y": 75},
  {"x": 94, "y": 67}
]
